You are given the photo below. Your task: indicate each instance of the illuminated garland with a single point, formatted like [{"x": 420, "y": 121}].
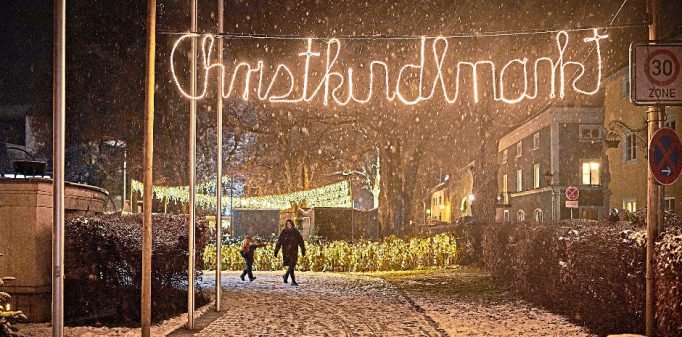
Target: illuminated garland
[
  {"x": 334, "y": 195},
  {"x": 394, "y": 92}
]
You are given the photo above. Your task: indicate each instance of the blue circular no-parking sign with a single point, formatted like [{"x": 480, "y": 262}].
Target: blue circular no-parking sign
[
  {"x": 664, "y": 156},
  {"x": 572, "y": 193}
]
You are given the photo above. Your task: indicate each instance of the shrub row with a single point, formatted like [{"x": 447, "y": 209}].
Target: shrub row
[
  {"x": 103, "y": 267},
  {"x": 591, "y": 272},
  {"x": 340, "y": 256}
]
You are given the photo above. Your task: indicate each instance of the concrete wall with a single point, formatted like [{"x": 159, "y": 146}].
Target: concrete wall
[{"x": 26, "y": 238}]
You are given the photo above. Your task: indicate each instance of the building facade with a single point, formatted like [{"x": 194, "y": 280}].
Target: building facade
[
  {"x": 627, "y": 138},
  {"x": 452, "y": 198},
  {"x": 539, "y": 160}
]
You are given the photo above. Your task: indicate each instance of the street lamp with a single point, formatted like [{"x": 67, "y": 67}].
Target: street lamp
[{"x": 548, "y": 179}]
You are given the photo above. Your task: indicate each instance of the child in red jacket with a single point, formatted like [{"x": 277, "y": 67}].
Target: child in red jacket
[{"x": 247, "y": 253}]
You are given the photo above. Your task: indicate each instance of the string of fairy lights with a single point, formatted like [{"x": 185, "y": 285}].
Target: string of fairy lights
[{"x": 334, "y": 195}]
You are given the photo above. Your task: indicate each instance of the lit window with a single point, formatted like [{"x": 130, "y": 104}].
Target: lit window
[
  {"x": 630, "y": 204},
  {"x": 537, "y": 215},
  {"x": 520, "y": 216},
  {"x": 670, "y": 122},
  {"x": 590, "y": 132},
  {"x": 536, "y": 140},
  {"x": 506, "y": 215},
  {"x": 505, "y": 189},
  {"x": 519, "y": 149},
  {"x": 504, "y": 156},
  {"x": 630, "y": 147},
  {"x": 536, "y": 176},
  {"x": 519, "y": 180},
  {"x": 669, "y": 204},
  {"x": 591, "y": 173}
]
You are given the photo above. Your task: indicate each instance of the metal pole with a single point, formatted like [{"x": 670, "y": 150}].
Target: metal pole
[
  {"x": 148, "y": 170},
  {"x": 192, "y": 172},
  {"x": 219, "y": 185},
  {"x": 123, "y": 199},
  {"x": 58, "y": 136},
  {"x": 653, "y": 191}
]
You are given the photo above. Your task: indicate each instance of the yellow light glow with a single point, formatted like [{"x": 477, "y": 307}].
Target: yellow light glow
[
  {"x": 334, "y": 195},
  {"x": 392, "y": 93}
]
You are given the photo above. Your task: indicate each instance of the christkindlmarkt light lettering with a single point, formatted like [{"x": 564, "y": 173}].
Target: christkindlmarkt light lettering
[{"x": 392, "y": 93}]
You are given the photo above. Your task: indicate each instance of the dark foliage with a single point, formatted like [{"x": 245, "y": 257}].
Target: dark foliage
[
  {"x": 592, "y": 272},
  {"x": 103, "y": 267}
]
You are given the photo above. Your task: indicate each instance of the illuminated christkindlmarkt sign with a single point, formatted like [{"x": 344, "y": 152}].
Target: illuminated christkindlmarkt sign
[{"x": 280, "y": 87}]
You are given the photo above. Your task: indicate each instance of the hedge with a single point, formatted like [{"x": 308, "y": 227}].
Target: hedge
[
  {"x": 339, "y": 256},
  {"x": 592, "y": 272},
  {"x": 103, "y": 267}
]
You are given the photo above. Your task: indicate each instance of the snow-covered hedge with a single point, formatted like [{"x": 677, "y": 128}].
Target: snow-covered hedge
[
  {"x": 103, "y": 267},
  {"x": 591, "y": 272}
]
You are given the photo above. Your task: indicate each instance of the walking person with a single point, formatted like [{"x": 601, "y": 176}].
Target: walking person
[
  {"x": 289, "y": 240},
  {"x": 247, "y": 253}
]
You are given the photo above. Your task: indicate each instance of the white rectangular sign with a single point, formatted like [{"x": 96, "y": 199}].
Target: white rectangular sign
[
  {"x": 571, "y": 203},
  {"x": 655, "y": 73}
]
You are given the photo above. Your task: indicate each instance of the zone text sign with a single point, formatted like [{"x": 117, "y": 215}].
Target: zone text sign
[{"x": 655, "y": 77}]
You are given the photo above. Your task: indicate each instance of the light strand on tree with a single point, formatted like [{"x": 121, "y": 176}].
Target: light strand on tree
[{"x": 334, "y": 195}]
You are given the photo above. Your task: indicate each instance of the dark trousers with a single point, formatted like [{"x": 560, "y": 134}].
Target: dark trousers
[
  {"x": 290, "y": 272},
  {"x": 247, "y": 269}
]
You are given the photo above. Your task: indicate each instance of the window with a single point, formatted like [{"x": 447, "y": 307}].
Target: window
[
  {"x": 505, "y": 189},
  {"x": 630, "y": 204},
  {"x": 537, "y": 215},
  {"x": 589, "y": 214},
  {"x": 590, "y": 132},
  {"x": 669, "y": 204},
  {"x": 591, "y": 173},
  {"x": 519, "y": 149},
  {"x": 519, "y": 180},
  {"x": 536, "y": 140},
  {"x": 630, "y": 148},
  {"x": 625, "y": 89},
  {"x": 520, "y": 216},
  {"x": 536, "y": 176},
  {"x": 504, "y": 156},
  {"x": 670, "y": 122},
  {"x": 506, "y": 215}
]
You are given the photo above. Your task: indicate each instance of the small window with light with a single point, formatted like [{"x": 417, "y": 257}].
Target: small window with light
[
  {"x": 505, "y": 154},
  {"x": 536, "y": 140},
  {"x": 519, "y": 149},
  {"x": 591, "y": 173}
]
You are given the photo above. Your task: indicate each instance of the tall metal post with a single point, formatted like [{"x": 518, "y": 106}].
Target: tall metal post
[
  {"x": 147, "y": 174},
  {"x": 192, "y": 171},
  {"x": 123, "y": 198},
  {"x": 654, "y": 192},
  {"x": 58, "y": 136},
  {"x": 219, "y": 185}
]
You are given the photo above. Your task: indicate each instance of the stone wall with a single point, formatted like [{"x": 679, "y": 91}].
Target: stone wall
[{"x": 26, "y": 237}]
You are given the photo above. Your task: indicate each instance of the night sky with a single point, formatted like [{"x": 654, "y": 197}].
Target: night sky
[{"x": 26, "y": 45}]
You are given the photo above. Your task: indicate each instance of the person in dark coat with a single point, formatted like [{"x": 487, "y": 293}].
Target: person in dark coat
[
  {"x": 289, "y": 240},
  {"x": 247, "y": 253}
]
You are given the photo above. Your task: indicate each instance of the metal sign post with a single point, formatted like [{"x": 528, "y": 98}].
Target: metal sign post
[
  {"x": 58, "y": 131},
  {"x": 192, "y": 172},
  {"x": 219, "y": 175},
  {"x": 146, "y": 312}
]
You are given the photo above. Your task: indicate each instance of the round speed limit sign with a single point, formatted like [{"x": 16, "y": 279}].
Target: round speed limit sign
[
  {"x": 655, "y": 74},
  {"x": 662, "y": 67}
]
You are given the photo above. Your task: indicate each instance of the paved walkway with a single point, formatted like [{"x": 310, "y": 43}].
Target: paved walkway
[{"x": 356, "y": 305}]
